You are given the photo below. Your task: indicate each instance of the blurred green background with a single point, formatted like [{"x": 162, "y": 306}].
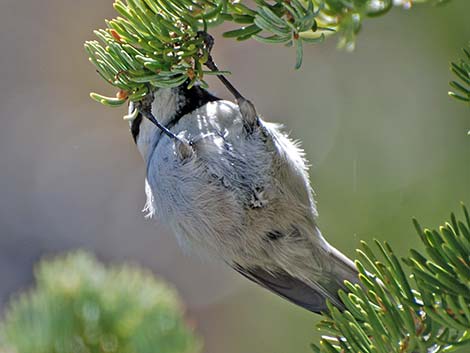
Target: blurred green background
[{"x": 384, "y": 141}]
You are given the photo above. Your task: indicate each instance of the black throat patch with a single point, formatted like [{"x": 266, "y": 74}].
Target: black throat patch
[{"x": 194, "y": 98}]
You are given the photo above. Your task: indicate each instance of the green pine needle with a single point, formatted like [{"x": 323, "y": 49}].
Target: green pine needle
[
  {"x": 79, "y": 305},
  {"x": 155, "y": 43},
  {"x": 392, "y": 312},
  {"x": 461, "y": 85}
]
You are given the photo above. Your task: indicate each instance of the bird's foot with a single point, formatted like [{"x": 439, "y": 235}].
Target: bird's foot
[{"x": 247, "y": 109}]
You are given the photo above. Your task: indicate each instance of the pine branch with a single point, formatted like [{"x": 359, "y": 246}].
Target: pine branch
[
  {"x": 78, "y": 305},
  {"x": 461, "y": 85},
  {"x": 155, "y": 43},
  {"x": 426, "y": 312}
]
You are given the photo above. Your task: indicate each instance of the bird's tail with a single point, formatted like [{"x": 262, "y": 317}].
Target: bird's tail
[
  {"x": 311, "y": 295},
  {"x": 341, "y": 269}
]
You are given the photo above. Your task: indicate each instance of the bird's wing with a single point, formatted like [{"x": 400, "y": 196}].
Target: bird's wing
[{"x": 291, "y": 288}]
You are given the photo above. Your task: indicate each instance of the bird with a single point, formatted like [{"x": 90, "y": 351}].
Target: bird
[{"x": 235, "y": 187}]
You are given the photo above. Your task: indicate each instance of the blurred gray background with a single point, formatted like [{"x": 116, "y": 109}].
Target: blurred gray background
[{"x": 384, "y": 140}]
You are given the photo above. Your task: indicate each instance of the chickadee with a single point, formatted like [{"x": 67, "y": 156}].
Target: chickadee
[{"x": 237, "y": 187}]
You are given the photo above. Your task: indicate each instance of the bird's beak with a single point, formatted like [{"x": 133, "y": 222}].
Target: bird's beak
[{"x": 133, "y": 112}]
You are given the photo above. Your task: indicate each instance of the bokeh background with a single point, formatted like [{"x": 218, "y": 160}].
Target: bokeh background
[{"x": 384, "y": 141}]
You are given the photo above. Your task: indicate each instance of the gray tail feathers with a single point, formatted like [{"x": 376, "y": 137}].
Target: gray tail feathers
[
  {"x": 341, "y": 269},
  {"x": 313, "y": 295}
]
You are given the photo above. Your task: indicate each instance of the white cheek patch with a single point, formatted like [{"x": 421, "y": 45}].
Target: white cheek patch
[
  {"x": 147, "y": 134},
  {"x": 165, "y": 105}
]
